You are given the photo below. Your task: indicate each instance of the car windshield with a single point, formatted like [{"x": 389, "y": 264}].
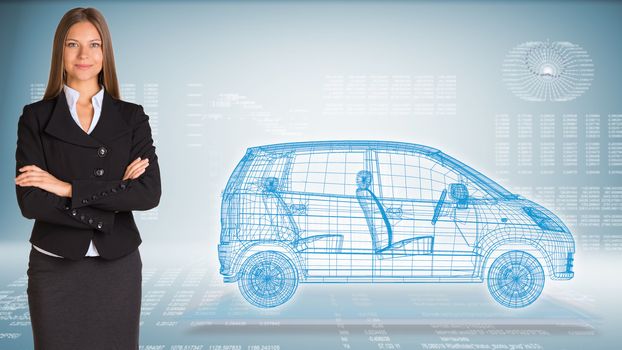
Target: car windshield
[{"x": 477, "y": 177}]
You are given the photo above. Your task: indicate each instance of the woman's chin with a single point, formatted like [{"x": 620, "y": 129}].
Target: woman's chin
[{"x": 82, "y": 77}]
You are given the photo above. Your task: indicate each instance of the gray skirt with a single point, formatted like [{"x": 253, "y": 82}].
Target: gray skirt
[{"x": 90, "y": 304}]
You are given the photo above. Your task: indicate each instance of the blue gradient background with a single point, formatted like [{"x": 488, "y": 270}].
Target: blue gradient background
[{"x": 278, "y": 54}]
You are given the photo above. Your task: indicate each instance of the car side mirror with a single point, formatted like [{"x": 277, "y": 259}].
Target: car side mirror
[{"x": 460, "y": 194}]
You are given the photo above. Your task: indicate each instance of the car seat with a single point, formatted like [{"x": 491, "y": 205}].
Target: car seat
[{"x": 380, "y": 227}]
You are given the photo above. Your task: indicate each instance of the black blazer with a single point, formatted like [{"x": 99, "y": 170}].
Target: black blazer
[{"x": 101, "y": 204}]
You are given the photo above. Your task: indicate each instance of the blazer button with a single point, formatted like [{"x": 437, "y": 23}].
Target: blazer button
[
  {"x": 74, "y": 212},
  {"x": 99, "y": 172},
  {"x": 100, "y": 225},
  {"x": 90, "y": 221},
  {"x": 103, "y": 194},
  {"x": 113, "y": 190},
  {"x": 82, "y": 217},
  {"x": 84, "y": 201},
  {"x": 94, "y": 197},
  {"x": 122, "y": 186},
  {"x": 102, "y": 151}
]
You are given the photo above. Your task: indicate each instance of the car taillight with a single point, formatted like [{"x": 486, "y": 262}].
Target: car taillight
[
  {"x": 569, "y": 262},
  {"x": 224, "y": 251}
]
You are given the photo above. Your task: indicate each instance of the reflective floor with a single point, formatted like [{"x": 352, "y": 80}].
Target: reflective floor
[{"x": 187, "y": 306}]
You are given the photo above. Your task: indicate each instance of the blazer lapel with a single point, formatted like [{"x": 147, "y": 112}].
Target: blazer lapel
[
  {"x": 111, "y": 123},
  {"x": 62, "y": 125}
]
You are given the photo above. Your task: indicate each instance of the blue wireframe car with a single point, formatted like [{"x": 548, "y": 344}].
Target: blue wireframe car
[{"x": 378, "y": 211}]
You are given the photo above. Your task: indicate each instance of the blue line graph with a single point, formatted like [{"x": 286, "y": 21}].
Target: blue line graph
[{"x": 381, "y": 212}]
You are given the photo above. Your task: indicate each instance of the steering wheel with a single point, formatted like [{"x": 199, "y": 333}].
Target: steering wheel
[{"x": 439, "y": 205}]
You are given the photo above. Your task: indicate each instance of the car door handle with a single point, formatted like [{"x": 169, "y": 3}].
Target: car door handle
[
  {"x": 395, "y": 212},
  {"x": 298, "y": 209}
]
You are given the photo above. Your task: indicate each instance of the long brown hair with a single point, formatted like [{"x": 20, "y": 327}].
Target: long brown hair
[{"x": 108, "y": 74}]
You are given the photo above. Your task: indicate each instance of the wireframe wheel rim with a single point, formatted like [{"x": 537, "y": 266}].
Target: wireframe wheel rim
[
  {"x": 269, "y": 279},
  {"x": 516, "y": 279}
]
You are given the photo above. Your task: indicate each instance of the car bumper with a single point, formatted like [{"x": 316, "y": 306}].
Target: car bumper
[
  {"x": 565, "y": 270},
  {"x": 563, "y": 276},
  {"x": 224, "y": 257},
  {"x": 230, "y": 279}
]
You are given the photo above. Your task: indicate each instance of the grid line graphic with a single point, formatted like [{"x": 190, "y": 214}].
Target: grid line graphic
[{"x": 381, "y": 211}]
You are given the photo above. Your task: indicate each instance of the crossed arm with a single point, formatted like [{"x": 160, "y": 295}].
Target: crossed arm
[
  {"x": 84, "y": 203},
  {"x": 32, "y": 175}
]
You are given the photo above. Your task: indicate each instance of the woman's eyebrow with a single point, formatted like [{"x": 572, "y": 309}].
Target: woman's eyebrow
[{"x": 79, "y": 40}]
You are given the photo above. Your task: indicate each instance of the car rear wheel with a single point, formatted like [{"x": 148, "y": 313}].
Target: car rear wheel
[
  {"x": 268, "y": 279},
  {"x": 515, "y": 279}
]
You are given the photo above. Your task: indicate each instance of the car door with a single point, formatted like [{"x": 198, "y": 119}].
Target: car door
[
  {"x": 409, "y": 215},
  {"x": 454, "y": 217},
  {"x": 321, "y": 194},
  {"x": 429, "y": 230}
]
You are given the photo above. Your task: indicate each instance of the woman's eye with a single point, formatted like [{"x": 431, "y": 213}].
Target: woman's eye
[
  {"x": 71, "y": 44},
  {"x": 95, "y": 45}
]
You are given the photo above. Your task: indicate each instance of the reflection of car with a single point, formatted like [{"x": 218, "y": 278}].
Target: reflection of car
[{"x": 366, "y": 211}]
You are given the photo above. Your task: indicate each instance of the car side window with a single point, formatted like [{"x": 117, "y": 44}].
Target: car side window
[
  {"x": 436, "y": 177},
  {"x": 326, "y": 172},
  {"x": 439, "y": 177},
  {"x": 265, "y": 166},
  {"x": 408, "y": 175},
  {"x": 399, "y": 175}
]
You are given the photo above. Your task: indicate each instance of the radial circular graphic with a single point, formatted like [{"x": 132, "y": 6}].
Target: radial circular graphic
[{"x": 548, "y": 71}]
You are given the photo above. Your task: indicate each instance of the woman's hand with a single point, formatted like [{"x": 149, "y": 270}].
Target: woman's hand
[
  {"x": 32, "y": 175},
  {"x": 136, "y": 168}
]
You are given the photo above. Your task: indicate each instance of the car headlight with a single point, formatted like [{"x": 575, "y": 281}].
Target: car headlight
[{"x": 544, "y": 221}]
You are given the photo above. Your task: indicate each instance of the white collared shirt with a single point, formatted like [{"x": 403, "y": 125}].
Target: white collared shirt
[{"x": 72, "y": 96}]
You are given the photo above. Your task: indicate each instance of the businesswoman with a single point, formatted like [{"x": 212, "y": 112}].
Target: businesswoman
[{"x": 84, "y": 161}]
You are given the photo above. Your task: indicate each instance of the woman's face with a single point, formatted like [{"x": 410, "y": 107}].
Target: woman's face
[{"x": 82, "y": 53}]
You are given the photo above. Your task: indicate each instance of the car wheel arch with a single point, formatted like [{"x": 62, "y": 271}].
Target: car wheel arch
[
  {"x": 500, "y": 247},
  {"x": 258, "y": 247}
]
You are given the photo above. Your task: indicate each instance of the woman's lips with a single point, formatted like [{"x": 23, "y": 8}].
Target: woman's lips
[{"x": 83, "y": 66}]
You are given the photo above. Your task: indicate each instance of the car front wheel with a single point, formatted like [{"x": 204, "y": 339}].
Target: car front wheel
[
  {"x": 268, "y": 279},
  {"x": 515, "y": 279}
]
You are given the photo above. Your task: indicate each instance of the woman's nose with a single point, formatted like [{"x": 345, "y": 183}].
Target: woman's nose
[{"x": 83, "y": 53}]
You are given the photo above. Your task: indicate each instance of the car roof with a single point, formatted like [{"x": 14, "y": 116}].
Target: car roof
[{"x": 344, "y": 145}]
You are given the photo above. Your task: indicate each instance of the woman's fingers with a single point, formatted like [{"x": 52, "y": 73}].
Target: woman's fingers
[
  {"x": 136, "y": 166},
  {"x": 138, "y": 171},
  {"x": 33, "y": 179},
  {"x": 134, "y": 162},
  {"x": 28, "y": 178},
  {"x": 34, "y": 176},
  {"x": 30, "y": 168},
  {"x": 30, "y": 174},
  {"x": 129, "y": 168}
]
